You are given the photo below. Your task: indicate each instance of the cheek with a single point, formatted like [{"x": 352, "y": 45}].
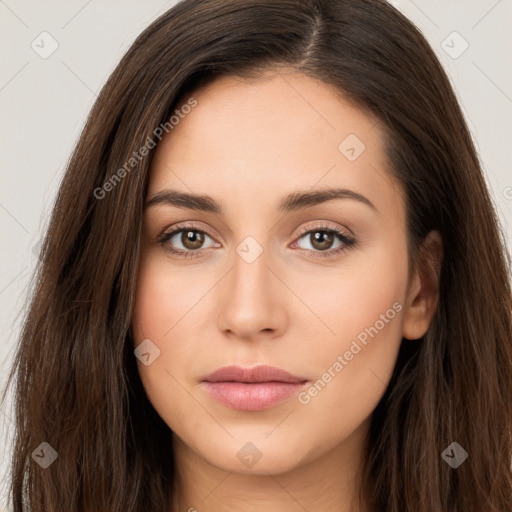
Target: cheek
[
  {"x": 354, "y": 297},
  {"x": 352, "y": 374},
  {"x": 159, "y": 307},
  {"x": 163, "y": 298},
  {"x": 168, "y": 301},
  {"x": 354, "y": 360}
]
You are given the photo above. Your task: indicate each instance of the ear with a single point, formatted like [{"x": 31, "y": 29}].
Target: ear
[{"x": 423, "y": 291}]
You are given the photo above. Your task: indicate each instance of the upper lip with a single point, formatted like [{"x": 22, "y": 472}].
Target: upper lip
[{"x": 256, "y": 374}]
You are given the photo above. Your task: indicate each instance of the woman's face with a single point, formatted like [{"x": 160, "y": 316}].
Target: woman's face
[{"x": 261, "y": 277}]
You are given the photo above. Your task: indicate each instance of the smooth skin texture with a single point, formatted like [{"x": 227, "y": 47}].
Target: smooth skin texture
[{"x": 248, "y": 144}]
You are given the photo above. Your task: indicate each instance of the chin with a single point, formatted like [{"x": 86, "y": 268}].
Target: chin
[{"x": 256, "y": 458}]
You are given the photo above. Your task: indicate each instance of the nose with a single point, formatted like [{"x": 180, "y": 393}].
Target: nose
[{"x": 252, "y": 301}]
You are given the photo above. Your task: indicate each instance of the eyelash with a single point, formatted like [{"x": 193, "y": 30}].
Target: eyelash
[{"x": 347, "y": 240}]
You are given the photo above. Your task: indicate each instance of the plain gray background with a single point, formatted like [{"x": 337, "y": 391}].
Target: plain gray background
[{"x": 44, "y": 101}]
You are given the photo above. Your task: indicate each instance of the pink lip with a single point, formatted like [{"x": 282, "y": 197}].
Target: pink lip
[{"x": 252, "y": 389}]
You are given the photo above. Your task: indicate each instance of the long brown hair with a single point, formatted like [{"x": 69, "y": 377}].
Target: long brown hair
[{"x": 77, "y": 385}]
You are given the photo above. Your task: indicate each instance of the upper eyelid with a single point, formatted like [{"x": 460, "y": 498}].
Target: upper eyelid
[
  {"x": 326, "y": 225},
  {"x": 181, "y": 226}
]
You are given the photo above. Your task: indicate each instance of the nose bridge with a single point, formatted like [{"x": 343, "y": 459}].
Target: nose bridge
[
  {"x": 250, "y": 302},
  {"x": 251, "y": 275}
]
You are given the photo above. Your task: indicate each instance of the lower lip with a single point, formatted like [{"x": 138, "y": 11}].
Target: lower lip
[{"x": 252, "y": 396}]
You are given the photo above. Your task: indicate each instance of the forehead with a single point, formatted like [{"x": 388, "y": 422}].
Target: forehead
[{"x": 254, "y": 141}]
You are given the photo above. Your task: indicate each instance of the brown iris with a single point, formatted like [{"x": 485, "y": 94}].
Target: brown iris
[
  {"x": 321, "y": 240},
  {"x": 192, "y": 239}
]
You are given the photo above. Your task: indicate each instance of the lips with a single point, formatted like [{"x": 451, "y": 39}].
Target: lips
[
  {"x": 252, "y": 375},
  {"x": 252, "y": 389}
]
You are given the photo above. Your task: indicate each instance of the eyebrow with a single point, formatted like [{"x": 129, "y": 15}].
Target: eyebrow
[{"x": 292, "y": 202}]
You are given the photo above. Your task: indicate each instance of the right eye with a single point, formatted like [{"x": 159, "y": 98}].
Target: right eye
[{"x": 189, "y": 237}]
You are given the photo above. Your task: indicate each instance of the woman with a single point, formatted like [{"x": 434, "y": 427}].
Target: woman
[{"x": 273, "y": 280}]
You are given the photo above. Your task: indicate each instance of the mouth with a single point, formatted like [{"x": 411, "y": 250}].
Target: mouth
[{"x": 252, "y": 389}]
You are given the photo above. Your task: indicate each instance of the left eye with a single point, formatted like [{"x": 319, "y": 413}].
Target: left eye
[{"x": 322, "y": 239}]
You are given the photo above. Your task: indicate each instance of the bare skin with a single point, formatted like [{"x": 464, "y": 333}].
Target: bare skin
[{"x": 298, "y": 306}]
